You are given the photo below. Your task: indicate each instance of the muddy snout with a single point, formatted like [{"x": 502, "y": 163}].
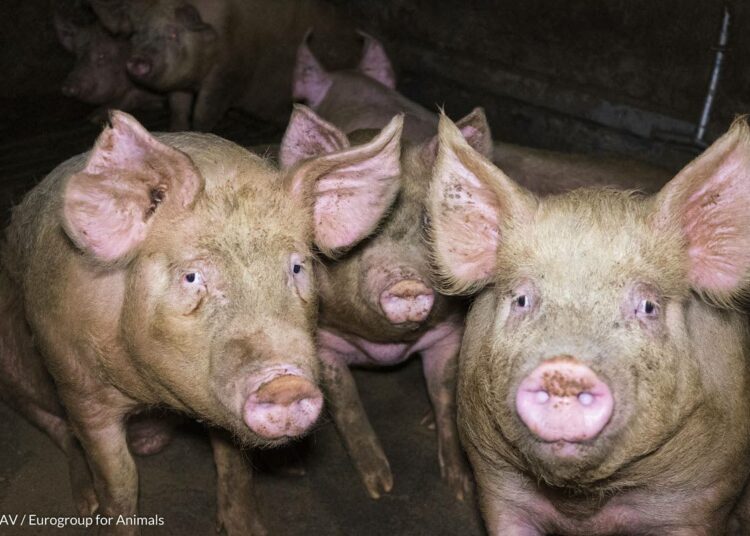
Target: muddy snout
[
  {"x": 408, "y": 300},
  {"x": 287, "y": 405},
  {"x": 564, "y": 400}
]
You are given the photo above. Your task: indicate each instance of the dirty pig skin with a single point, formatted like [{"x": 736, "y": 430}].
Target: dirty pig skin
[
  {"x": 176, "y": 270},
  {"x": 604, "y": 382}
]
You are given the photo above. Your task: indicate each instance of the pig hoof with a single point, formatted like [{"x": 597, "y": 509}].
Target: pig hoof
[
  {"x": 233, "y": 526},
  {"x": 428, "y": 421},
  {"x": 377, "y": 479},
  {"x": 457, "y": 475},
  {"x": 85, "y": 500}
]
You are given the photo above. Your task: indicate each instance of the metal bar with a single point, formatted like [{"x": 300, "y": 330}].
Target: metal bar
[{"x": 700, "y": 132}]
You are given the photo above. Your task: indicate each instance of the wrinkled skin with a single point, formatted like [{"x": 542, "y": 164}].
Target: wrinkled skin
[
  {"x": 188, "y": 261},
  {"x": 620, "y": 298},
  {"x": 211, "y": 55},
  {"x": 99, "y": 76}
]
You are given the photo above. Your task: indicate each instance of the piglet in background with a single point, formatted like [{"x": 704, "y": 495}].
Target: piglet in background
[
  {"x": 99, "y": 76},
  {"x": 604, "y": 383},
  {"x": 211, "y": 55}
]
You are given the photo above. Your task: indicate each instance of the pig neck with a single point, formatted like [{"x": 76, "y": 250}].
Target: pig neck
[
  {"x": 356, "y": 102},
  {"x": 345, "y": 305}
]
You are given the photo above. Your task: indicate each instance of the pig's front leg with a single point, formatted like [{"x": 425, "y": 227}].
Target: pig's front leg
[
  {"x": 237, "y": 510},
  {"x": 102, "y": 434},
  {"x": 440, "y": 364},
  {"x": 180, "y": 107},
  {"x": 214, "y": 99},
  {"x": 351, "y": 421}
]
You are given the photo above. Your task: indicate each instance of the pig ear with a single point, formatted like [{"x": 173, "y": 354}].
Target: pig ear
[
  {"x": 476, "y": 131},
  {"x": 310, "y": 80},
  {"x": 113, "y": 15},
  {"x": 308, "y": 136},
  {"x": 66, "y": 31},
  {"x": 108, "y": 207},
  {"x": 470, "y": 204},
  {"x": 375, "y": 63},
  {"x": 351, "y": 190},
  {"x": 709, "y": 201},
  {"x": 189, "y": 17}
]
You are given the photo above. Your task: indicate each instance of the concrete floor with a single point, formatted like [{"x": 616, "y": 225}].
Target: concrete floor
[{"x": 179, "y": 483}]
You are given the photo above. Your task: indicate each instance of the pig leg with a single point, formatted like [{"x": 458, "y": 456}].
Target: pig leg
[
  {"x": 236, "y": 504},
  {"x": 440, "y": 363},
  {"x": 27, "y": 387},
  {"x": 214, "y": 99},
  {"x": 101, "y": 429},
  {"x": 180, "y": 106},
  {"x": 352, "y": 424}
]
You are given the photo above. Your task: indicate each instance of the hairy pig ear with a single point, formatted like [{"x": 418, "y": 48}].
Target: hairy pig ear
[
  {"x": 470, "y": 203},
  {"x": 709, "y": 202},
  {"x": 476, "y": 131},
  {"x": 109, "y": 206},
  {"x": 308, "y": 136},
  {"x": 351, "y": 190}
]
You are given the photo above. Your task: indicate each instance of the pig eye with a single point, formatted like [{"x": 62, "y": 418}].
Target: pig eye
[
  {"x": 298, "y": 266},
  {"x": 647, "y": 308},
  {"x": 522, "y": 301},
  {"x": 193, "y": 278}
]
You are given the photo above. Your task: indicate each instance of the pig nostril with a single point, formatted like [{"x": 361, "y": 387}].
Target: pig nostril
[
  {"x": 542, "y": 397},
  {"x": 139, "y": 67},
  {"x": 586, "y": 399}
]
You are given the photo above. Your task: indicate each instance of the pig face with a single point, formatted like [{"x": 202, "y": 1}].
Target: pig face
[
  {"x": 219, "y": 299},
  {"x": 579, "y": 354},
  {"x": 170, "y": 46},
  {"x": 387, "y": 278},
  {"x": 99, "y": 75}
]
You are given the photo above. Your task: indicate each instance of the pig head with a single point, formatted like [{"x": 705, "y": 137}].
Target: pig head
[{"x": 604, "y": 363}]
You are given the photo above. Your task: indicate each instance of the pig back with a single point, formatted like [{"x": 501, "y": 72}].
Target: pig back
[{"x": 551, "y": 172}]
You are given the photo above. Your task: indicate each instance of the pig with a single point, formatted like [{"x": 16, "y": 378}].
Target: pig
[
  {"x": 363, "y": 98},
  {"x": 210, "y": 55},
  {"x": 99, "y": 76},
  {"x": 367, "y": 98},
  {"x": 378, "y": 307},
  {"x": 604, "y": 381},
  {"x": 175, "y": 271}
]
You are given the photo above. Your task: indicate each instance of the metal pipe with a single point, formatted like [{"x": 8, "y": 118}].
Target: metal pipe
[{"x": 714, "y": 82}]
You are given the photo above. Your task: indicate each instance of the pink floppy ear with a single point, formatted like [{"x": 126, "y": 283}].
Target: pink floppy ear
[
  {"x": 709, "y": 201},
  {"x": 470, "y": 203},
  {"x": 476, "y": 131},
  {"x": 350, "y": 191},
  {"x": 307, "y": 136},
  {"x": 108, "y": 207},
  {"x": 310, "y": 80},
  {"x": 375, "y": 63}
]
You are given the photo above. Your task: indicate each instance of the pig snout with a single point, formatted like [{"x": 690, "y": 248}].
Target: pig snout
[
  {"x": 408, "y": 300},
  {"x": 139, "y": 66},
  {"x": 564, "y": 400},
  {"x": 285, "y": 406}
]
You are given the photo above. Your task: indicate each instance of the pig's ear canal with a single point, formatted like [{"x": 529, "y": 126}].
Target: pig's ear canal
[
  {"x": 709, "y": 202},
  {"x": 375, "y": 63},
  {"x": 470, "y": 203},
  {"x": 350, "y": 191},
  {"x": 310, "y": 80},
  {"x": 108, "y": 207},
  {"x": 308, "y": 136}
]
